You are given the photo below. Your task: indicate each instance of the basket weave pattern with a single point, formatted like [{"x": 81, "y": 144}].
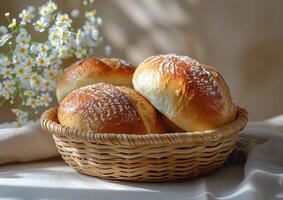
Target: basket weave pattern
[{"x": 149, "y": 157}]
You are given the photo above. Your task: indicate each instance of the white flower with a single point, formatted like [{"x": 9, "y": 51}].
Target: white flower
[
  {"x": 21, "y": 71},
  {"x": 64, "y": 34},
  {"x": 53, "y": 59},
  {"x": 63, "y": 52},
  {"x": 25, "y": 80},
  {"x": 29, "y": 93},
  {"x": 21, "y": 51},
  {"x": 54, "y": 38},
  {"x": 6, "y": 72},
  {"x": 4, "y": 38},
  {"x": 26, "y": 15},
  {"x": 28, "y": 63},
  {"x": 3, "y": 30},
  {"x": 51, "y": 6},
  {"x": 43, "y": 48},
  {"x": 36, "y": 81},
  {"x": 51, "y": 74},
  {"x": 9, "y": 85},
  {"x": 63, "y": 20},
  {"x": 4, "y": 61},
  {"x": 48, "y": 85},
  {"x": 7, "y": 14},
  {"x": 41, "y": 60},
  {"x": 4, "y": 93},
  {"x": 45, "y": 99},
  {"x": 48, "y": 8},
  {"x": 75, "y": 13},
  {"x": 23, "y": 40},
  {"x": 41, "y": 24},
  {"x": 33, "y": 102}
]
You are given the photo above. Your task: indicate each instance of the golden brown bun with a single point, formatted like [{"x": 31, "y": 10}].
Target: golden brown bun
[
  {"x": 105, "y": 108},
  {"x": 192, "y": 95},
  {"x": 93, "y": 70}
]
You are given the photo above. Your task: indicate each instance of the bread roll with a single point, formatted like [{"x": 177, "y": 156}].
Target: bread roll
[
  {"x": 93, "y": 70},
  {"x": 192, "y": 95},
  {"x": 106, "y": 108}
]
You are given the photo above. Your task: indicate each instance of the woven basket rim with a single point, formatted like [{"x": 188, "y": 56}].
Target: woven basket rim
[{"x": 49, "y": 123}]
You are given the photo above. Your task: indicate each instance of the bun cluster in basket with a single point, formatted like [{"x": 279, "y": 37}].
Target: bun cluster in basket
[{"x": 171, "y": 94}]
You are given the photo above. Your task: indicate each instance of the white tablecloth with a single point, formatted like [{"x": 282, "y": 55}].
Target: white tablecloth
[{"x": 260, "y": 178}]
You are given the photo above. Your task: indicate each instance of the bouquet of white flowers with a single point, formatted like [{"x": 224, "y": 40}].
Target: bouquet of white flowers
[{"x": 28, "y": 68}]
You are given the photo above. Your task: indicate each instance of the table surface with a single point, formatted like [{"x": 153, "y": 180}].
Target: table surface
[{"x": 53, "y": 179}]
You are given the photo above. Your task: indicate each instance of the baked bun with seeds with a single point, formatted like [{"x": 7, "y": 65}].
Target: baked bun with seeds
[
  {"x": 193, "y": 96},
  {"x": 105, "y": 108},
  {"x": 93, "y": 70}
]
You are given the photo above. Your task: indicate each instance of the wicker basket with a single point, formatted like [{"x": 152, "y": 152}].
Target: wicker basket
[{"x": 147, "y": 158}]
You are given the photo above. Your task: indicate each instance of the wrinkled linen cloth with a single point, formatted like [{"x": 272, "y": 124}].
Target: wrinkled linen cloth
[{"x": 261, "y": 177}]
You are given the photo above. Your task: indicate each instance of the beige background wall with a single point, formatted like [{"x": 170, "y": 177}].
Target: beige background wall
[{"x": 242, "y": 38}]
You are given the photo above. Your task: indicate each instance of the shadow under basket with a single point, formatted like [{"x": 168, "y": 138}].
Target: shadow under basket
[{"x": 146, "y": 158}]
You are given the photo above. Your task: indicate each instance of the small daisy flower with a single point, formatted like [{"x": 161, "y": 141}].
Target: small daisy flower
[
  {"x": 21, "y": 51},
  {"x": 43, "y": 48},
  {"x": 63, "y": 20},
  {"x": 48, "y": 8},
  {"x": 54, "y": 38},
  {"x": 48, "y": 85},
  {"x": 9, "y": 85},
  {"x": 26, "y": 15},
  {"x": 35, "y": 81},
  {"x": 23, "y": 38},
  {"x": 4, "y": 93},
  {"x": 21, "y": 70},
  {"x": 52, "y": 6},
  {"x": 40, "y": 25},
  {"x": 29, "y": 93},
  {"x": 33, "y": 102},
  {"x": 6, "y": 72},
  {"x": 63, "y": 52},
  {"x": 28, "y": 63},
  {"x": 45, "y": 99},
  {"x": 41, "y": 60},
  {"x": 64, "y": 34},
  {"x": 25, "y": 80}
]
